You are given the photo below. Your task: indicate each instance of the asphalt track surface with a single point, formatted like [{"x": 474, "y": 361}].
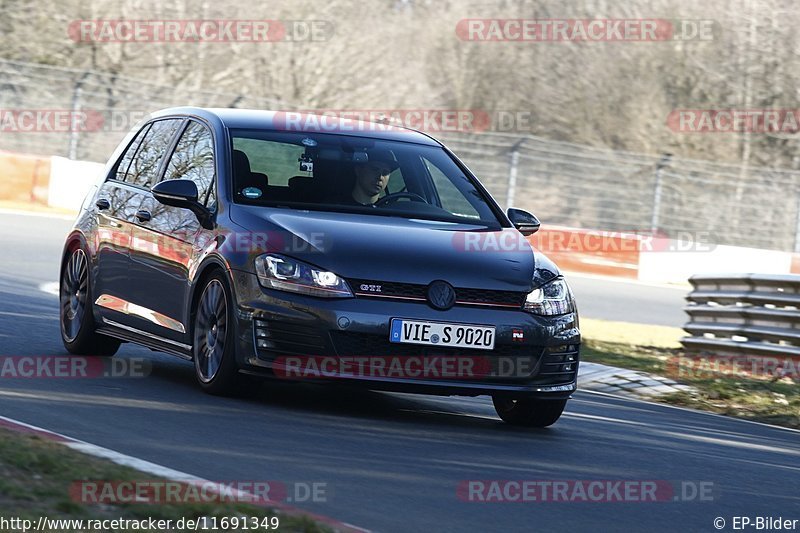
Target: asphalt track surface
[{"x": 390, "y": 462}]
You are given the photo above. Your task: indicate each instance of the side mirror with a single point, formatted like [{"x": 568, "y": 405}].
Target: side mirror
[
  {"x": 525, "y": 222},
  {"x": 182, "y": 193}
]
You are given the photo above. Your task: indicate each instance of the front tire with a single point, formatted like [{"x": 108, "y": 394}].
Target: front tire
[
  {"x": 213, "y": 346},
  {"x": 76, "y": 314},
  {"x": 529, "y": 412}
]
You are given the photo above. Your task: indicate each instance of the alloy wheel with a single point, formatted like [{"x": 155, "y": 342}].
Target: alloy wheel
[
  {"x": 73, "y": 294},
  {"x": 210, "y": 331}
]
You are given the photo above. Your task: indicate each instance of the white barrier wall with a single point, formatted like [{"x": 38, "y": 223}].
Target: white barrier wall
[
  {"x": 671, "y": 264},
  {"x": 70, "y": 181}
]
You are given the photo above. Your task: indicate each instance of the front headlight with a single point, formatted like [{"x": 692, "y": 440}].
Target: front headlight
[
  {"x": 552, "y": 298},
  {"x": 286, "y": 274}
]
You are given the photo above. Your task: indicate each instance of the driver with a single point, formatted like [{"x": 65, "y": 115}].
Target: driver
[{"x": 372, "y": 176}]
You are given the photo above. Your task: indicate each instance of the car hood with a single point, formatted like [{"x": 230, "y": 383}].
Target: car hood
[{"x": 369, "y": 247}]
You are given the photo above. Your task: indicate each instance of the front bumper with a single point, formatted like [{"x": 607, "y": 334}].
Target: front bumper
[{"x": 279, "y": 333}]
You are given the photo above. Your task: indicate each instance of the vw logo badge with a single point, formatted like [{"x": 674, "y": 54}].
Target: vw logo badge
[{"x": 441, "y": 295}]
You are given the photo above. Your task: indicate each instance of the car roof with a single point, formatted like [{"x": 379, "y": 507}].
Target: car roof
[{"x": 296, "y": 121}]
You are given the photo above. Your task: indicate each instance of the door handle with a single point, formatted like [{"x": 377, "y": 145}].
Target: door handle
[
  {"x": 143, "y": 215},
  {"x": 102, "y": 204}
]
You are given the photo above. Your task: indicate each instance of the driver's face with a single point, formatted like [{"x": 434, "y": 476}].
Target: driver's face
[{"x": 373, "y": 177}]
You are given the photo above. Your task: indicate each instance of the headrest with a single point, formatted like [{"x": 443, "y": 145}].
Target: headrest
[
  {"x": 300, "y": 181},
  {"x": 241, "y": 165}
]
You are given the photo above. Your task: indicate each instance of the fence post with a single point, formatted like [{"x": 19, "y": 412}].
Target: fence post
[
  {"x": 513, "y": 164},
  {"x": 797, "y": 227},
  {"x": 663, "y": 162},
  {"x": 72, "y": 152}
]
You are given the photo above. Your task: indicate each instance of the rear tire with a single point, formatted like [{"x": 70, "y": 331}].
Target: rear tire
[
  {"x": 529, "y": 412},
  {"x": 76, "y": 312},
  {"x": 213, "y": 342}
]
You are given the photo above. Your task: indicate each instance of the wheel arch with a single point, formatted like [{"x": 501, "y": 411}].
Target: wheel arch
[
  {"x": 213, "y": 264},
  {"x": 74, "y": 240}
]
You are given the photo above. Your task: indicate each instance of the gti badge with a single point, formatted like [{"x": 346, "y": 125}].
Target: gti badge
[{"x": 370, "y": 288}]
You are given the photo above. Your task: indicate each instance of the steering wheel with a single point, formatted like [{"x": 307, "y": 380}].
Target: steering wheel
[{"x": 393, "y": 197}]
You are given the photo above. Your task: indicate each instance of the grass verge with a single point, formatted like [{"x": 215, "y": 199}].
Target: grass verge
[
  {"x": 36, "y": 475},
  {"x": 719, "y": 388}
]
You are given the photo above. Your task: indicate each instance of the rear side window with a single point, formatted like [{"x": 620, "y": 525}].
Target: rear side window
[
  {"x": 193, "y": 159},
  {"x": 278, "y": 160},
  {"x": 127, "y": 157},
  {"x": 143, "y": 170}
]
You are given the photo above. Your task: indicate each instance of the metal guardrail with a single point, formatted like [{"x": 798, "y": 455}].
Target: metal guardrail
[{"x": 744, "y": 314}]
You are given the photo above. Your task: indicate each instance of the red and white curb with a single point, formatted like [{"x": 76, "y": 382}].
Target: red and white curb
[{"x": 163, "y": 471}]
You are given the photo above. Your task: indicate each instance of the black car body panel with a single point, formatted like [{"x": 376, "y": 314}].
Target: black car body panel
[
  {"x": 148, "y": 262},
  {"x": 405, "y": 251}
]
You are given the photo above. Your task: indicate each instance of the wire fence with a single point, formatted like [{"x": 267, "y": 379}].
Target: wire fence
[
  {"x": 562, "y": 183},
  {"x": 113, "y": 104},
  {"x": 568, "y": 184}
]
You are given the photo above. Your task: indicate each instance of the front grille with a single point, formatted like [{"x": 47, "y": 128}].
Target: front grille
[
  {"x": 464, "y": 296},
  {"x": 479, "y": 296}
]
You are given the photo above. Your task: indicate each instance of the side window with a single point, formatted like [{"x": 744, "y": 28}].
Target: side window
[
  {"x": 144, "y": 167},
  {"x": 452, "y": 199},
  {"x": 193, "y": 159},
  {"x": 278, "y": 160},
  {"x": 127, "y": 157}
]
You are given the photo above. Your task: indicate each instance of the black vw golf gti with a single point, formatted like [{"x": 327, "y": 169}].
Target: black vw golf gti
[{"x": 302, "y": 247}]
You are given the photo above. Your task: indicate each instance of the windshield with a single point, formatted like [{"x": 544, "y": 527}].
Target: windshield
[{"x": 329, "y": 172}]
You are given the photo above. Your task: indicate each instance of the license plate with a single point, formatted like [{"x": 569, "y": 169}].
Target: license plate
[{"x": 442, "y": 334}]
